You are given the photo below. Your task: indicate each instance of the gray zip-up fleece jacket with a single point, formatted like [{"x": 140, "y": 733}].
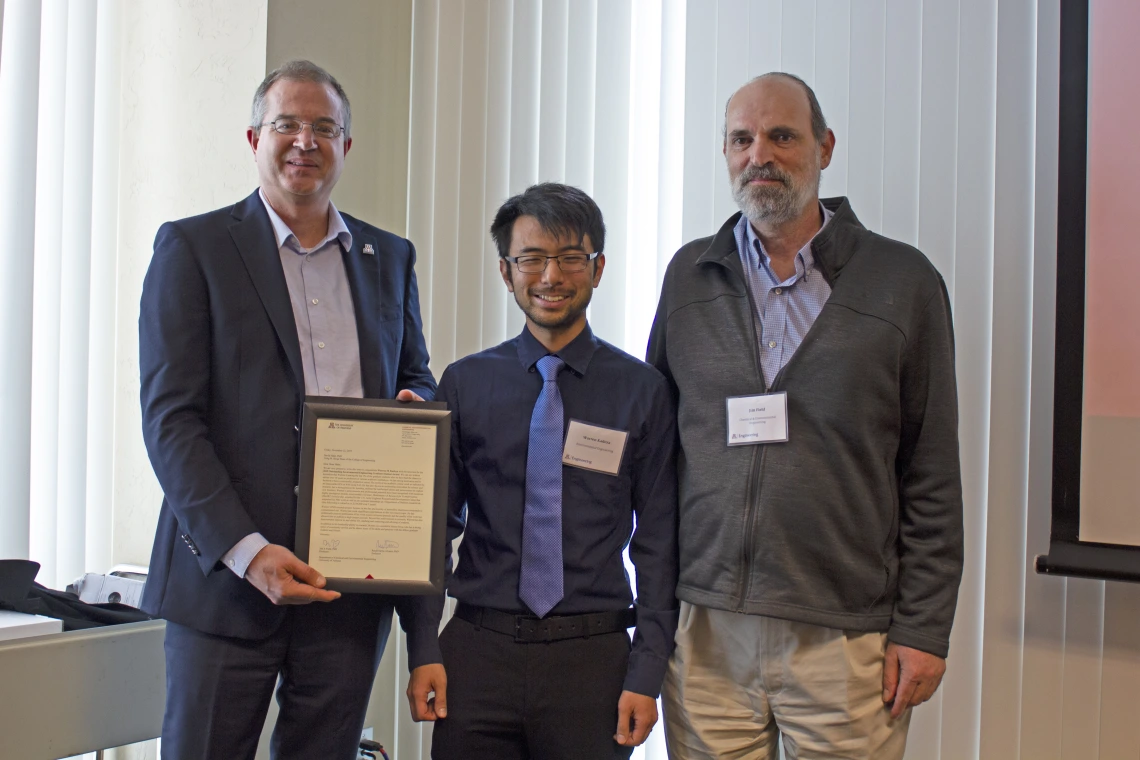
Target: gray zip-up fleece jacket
[{"x": 855, "y": 522}]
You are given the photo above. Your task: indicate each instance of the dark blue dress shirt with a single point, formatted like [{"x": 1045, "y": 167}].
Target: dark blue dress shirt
[{"x": 491, "y": 396}]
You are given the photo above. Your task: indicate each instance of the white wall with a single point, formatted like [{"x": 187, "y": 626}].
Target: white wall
[
  {"x": 367, "y": 47},
  {"x": 945, "y": 113},
  {"x": 189, "y": 72}
]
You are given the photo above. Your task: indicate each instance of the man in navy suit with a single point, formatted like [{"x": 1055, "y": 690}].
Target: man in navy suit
[{"x": 244, "y": 311}]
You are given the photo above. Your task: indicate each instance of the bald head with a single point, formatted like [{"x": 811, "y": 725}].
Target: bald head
[{"x": 786, "y": 85}]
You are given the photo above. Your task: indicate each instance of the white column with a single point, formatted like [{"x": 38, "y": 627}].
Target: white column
[
  {"x": 608, "y": 309},
  {"x": 446, "y": 199},
  {"x": 421, "y": 154},
  {"x": 973, "y": 303},
  {"x": 500, "y": 51},
  {"x": 476, "y": 264},
  {"x": 702, "y": 120},
  {"x": 867, "y": 112},
  {"x": 581, "y": 83},
  {"x": 19, "y": 95},
  {"x": 553, "y": 106},
  {"x": 636, "y": 254},
  {"x": 1042, "y": 723},
  {"x": 75, "y": 291},
  {"x": 44, "y": 441},
  {"x": 1003, "y": 602},
  {"x": 104, "y": 245},
  {"x": 671, "y": 152}
]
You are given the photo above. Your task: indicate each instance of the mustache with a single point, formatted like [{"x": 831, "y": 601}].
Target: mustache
[{"x": 766, "y": 172}]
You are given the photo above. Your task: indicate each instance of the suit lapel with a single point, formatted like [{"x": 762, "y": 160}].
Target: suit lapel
[
  {"x": 253, "y": 235},
  {"x": 363, "y": 271}
]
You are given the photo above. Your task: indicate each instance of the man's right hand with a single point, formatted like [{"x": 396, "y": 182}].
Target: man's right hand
[
  {"x": 424, "y": 680},
  {"x": 285, "y": 579}
]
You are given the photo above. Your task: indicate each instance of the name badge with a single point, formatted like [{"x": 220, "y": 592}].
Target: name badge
[
  {"x": 757, "y": 419},
  {"x": 594, "y": 448}
]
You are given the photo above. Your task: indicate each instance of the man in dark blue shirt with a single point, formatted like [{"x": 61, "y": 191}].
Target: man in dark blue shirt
[{"x": 559, "y": 442}]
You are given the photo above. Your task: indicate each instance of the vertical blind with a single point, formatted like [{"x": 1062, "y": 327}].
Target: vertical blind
[
  {"x": 946, "y": 120},
  {"x": 19, "y": 96},
  {"x": 59, "y": 94},
  {"x": 945, "y": 112}
]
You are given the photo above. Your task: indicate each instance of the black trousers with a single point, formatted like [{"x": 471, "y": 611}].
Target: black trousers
[
  {"x": 218, "y": 688},
  {"x": 530, "y": 701}
]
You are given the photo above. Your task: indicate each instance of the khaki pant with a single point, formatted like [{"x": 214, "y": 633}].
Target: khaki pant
[{"x": 739, "y": 685}]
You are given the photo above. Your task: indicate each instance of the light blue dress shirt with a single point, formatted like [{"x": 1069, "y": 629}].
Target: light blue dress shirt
[
  {"x": 785, "y": 309},
  {"x": 326, "y": 328}
]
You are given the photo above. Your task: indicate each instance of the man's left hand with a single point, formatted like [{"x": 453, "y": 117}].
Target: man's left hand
[
  {"x": 427, "y": 692},
  {"x": 637, "y": 714},
  {"x": 910, "y": 677},
  {"x": 407, "y": 395}
]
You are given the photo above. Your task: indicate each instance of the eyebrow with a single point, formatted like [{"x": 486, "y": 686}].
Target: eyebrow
[
  {"x": 779, "y": 128},
  {"x": 535, "y": 249},
  {"x": 318, "y": 120}
]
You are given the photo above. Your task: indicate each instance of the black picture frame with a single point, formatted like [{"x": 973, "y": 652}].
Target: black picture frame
[
  {"x": 1068, "y": 555},
  {"x": 322, "y": 409}
]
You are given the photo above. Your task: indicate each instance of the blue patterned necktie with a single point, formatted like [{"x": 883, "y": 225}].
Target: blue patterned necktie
[{"x": 540, "y": 578}]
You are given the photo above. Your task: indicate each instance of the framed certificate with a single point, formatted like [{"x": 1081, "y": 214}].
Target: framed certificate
[{"x": 372, "y": 496}]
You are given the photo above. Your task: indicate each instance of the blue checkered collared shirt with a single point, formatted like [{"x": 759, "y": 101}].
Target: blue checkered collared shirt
[{"x": 785, "y": 310}]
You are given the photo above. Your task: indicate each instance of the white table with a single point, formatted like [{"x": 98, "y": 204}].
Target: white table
[
  {"x": 68, "y": 693},
  {"x": 17, "y": 625}
]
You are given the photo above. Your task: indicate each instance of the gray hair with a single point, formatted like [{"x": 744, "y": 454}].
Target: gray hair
[
  {"x": 299, "y": 71},
  {"x": 818, "y": 123}
]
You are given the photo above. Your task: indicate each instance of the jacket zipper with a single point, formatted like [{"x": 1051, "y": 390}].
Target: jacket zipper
[{"x": 752, "y": 492}]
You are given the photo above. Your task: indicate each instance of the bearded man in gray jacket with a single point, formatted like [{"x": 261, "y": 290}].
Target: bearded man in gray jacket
[{"x": 820, "y": 489}]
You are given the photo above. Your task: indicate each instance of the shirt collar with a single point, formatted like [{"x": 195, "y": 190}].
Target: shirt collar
[
  {"x": 577, "y": 353},
  {"x": 746, "y": 234},
  {"x": 285, "y": 237}
]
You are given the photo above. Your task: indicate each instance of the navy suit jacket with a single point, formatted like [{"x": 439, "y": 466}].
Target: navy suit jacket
[{"x": 222, "y": 386}]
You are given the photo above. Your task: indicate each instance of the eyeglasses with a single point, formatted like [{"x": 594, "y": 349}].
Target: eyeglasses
[
  {"x": 567, "y": 262},
  {"x": 329, "y": 130}
]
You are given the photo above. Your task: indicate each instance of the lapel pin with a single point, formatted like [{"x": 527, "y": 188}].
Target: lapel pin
[{"x": 368, "y": 249}]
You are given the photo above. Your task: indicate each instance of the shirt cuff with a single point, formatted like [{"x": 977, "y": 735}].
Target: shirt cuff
[
  {"x": 422, "y": 630},
  {"x": 243, "y": 552},
  {"x": 645, "y": 674},
  {"x": 423, "y": 649}
]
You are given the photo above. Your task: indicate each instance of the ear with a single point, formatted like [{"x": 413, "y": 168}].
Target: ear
[
  {"x": 253, "y": 137},
  {"x": 505, "y": 273},
  {"x": 599, "y": 265},
  {"x": 347, "y": 144},
  {"x": 826, "y": 150}
]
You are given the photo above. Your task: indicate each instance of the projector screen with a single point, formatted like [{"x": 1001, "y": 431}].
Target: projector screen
[
  {"x": 1110, "y": 440},
  {"x": 1096, "y": 414}
]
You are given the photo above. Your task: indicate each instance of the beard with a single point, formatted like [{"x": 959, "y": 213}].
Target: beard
[
  {"x": 771, "y": 205},
  {"x": 572, "y": 310}
]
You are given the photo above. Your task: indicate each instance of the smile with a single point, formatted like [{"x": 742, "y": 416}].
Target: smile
[{"x": 550, "y": 298}]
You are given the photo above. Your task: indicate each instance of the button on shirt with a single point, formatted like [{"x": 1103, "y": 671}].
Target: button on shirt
[
  {"x": 785, "y": 310},
  {"x": 491, "y": 396},
  {"x": 326, "y": 328},
  {"x": 322, "y": 307}
]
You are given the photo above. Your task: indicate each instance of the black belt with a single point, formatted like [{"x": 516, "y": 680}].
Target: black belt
[{"x": 527, "y": 628}]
